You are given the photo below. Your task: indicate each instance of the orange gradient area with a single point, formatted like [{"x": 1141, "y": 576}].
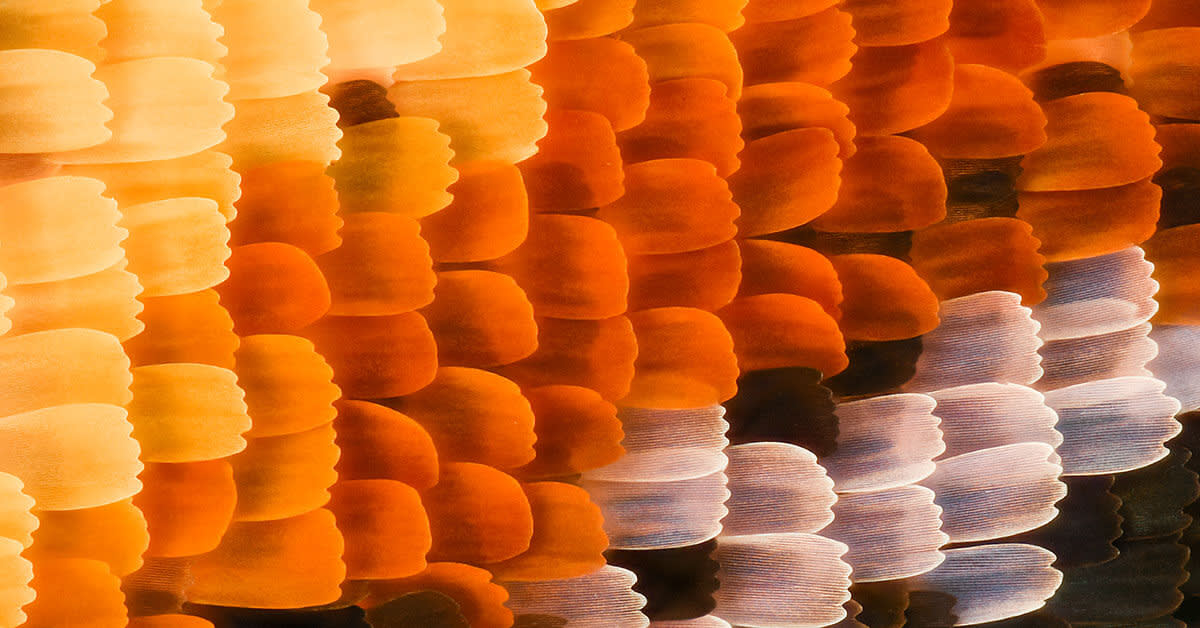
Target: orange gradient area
[
  {"x": 672, "y": 206},
  {"x": 992, "y": 114},
  {"x": 18, "y": 168},
  {"x": 784, "y": 330},
  {"x": 369, "y": 34},
  {"x": 891, "y": 184},
  {"x": 187, "y": 412},
  {"x": 568, "y": 74},
  {"x": 1174, "y": 254},
  {"x": 138, "y": 29},
  {"x": 685, "y": 359},
  {"x": 51, "y": 102},
  {"x": 176, "y": 246},
  {"x": 288, "y": 385},
  {"x": 477, "y": 515},
  {"x": 189, "y": 327},
  {"x": 779, "y": 267},
  {"x": 288, "y": 201},
  {"x": 759, "y": 11},
  {"x": 380, "y": 443},
  {"x": 285, "y": 476},
  {"x": 786, "y": 180},
  {"x": 15, "y": 591},
  {"x": 1165, "y": 63},
  {"x": 570, "y": 267},
  {"x": 394, "y": 165},
  {"x": 692, "y": 118},
  {"x": 1096, "y": 140},
  {"x": 114, "y": 534},
  {"x": 891, "y": 23},
  {"x": 385, "y": 528},
  {"x": 883, "y": 298},
  {"x": 769, "y": 108},
  {"x": 169, "y": 621},
  {"x": 288, "y": 563},
  {"x": 723, "y": 14},
  {"x": 706, "y": 279},
  {"x": 488, "y": 218},
  {"x": 1075, "y": 19},
  {"x": 377, "y": 356},
  {"x": 61, "y": 366},
  {"x": 77, "y": 592},
  {"x": 474, "y": 416},
  {"x": 488, "y": 117},
  {"x": 1168, "y": 13},
  {"x": 286, "y": 63},
  {"x": 1005, "y": 34},
  {"x": 897, "y": 88},
  {"x": 480, "y": 318},
  {"x": 981, "y": 255},
  {"x": 596, "y": 354},
  {"x": 383, "y": 266},
  {"x": 815, "y": 49},
  {"x": 295, "y": 128},
  {"x": 480, "y": 600},
  {"x": 578, "y": 164},
  {"x": 188, "y": 506},
  {"x": 69, "y": 26},
  {"x": 205, "y": 174},
  {"x": 17, "y": 523},
  {"x": 585, "y": 19},
  {"x": 273, "y": 288},
  {"x": 568, "y": 536},
  {"x": 690, "y": 50},
  {"x": 1180, "y": 147},
  {"x": 577, "y": 430},
  {"x": 482, "y": 38},
  {"x": 1086, "y": 223}
]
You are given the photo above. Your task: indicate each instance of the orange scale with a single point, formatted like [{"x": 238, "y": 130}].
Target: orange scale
[
  {"x": 891, "y": 23},
  {"x": 672, "y": 206},
  {"x": 723, "y": 14},
  {"x": 19, "y": 168},
  {"x": 188, "y": 506},
  {"x": 17, "y": 523},
  {"x": 302, "y": 127},
  {"x": 474, "y": 416},
  {"x": 288, "y": 201},
  {"x": 158, "y": 587},
  {"x": 570, "y": 267},
  {"x": 62, "y": 366},
  {"x": 1005, "y": 34},
  {"x": 779, "y": 267},
  {"x": 480, "y": 318},
  {"x": 685, "y": 359},
  {"x": 15, "y": 591},
  {"x": 385, "y": 527},
  {"x": 114, "y": 534},
  {"x": 176, "y": 246},
  {"x": 758, "y": 11},
  {"x": 380, "y": 443},
  {"x": 1113, "y": 50},
  {"x": 67, "y": 26},
  {"x": 568, "y": 74},
  {"x": 568, "y": 536},
  {"x": 1170, "y": 13},
  {"x": 991, "y": 115},
  {"x": 981, "y": 255},
  {"x": 189, "y": 327},
  {"x": 578, "y": 164},
  {"x": 51, "y": 102},
  {"x": 288, "y": 563},
  {"x": 595, "y": 354},
  {"x": 75, "y": 592},
  {"x": 1174, "y": 254},
  {"x": 897, "y": 88},
  {"x": 1096, "y": 140},
  {"x": 884, "y": 298},
  {"x": 488, "y": 218},
  {"x": 784, "y": 330},
  {"x": 383, "y": 266},
  {"x": 706, "y": 279},
  {"x": 169, "y": 621},
  {"x": 786, "y": 180},
  {"x": 285, "y": 476},
  {"x": 1076, "y": 19},
  {"x": 394, "y": 165},
  {"x": 482, "y": 38},
  {"x": 480, "y": 600},
  {"x": 891, "y": 184},
  {"x": 1086, "y": 223},
  {"x": 377, "y": 356},
  {"x": 769, "y": 108},
  {"x": 815, "y": 49},
  {"x": 585, "y": 19},
  {"x": 273, "y": 288},
  {"x": 688, "y": 50},
  {"x": 187, "y": 412},
  {"x": 205, "y": 174},
  {"x": 370, "y": 36},
  {"x": 1165, "y": 65},
  {"x": 576, "y": 428},
  {"x": 288, "y": 384},
  {"x": 1180, "y": 147},
  {"x": 689, "y": 118},
  {"x": 477, "y": 515},
  {"x": 138, "y": 29}
]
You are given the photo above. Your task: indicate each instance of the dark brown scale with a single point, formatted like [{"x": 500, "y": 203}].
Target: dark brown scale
[
  {"x": 785, "y": 405},
  {"x": 678, "y": 583},
  {"x": 877, "y": 367},
  {"x": 359, "y": 102},
  {"x": 1068, "y": 79}
]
